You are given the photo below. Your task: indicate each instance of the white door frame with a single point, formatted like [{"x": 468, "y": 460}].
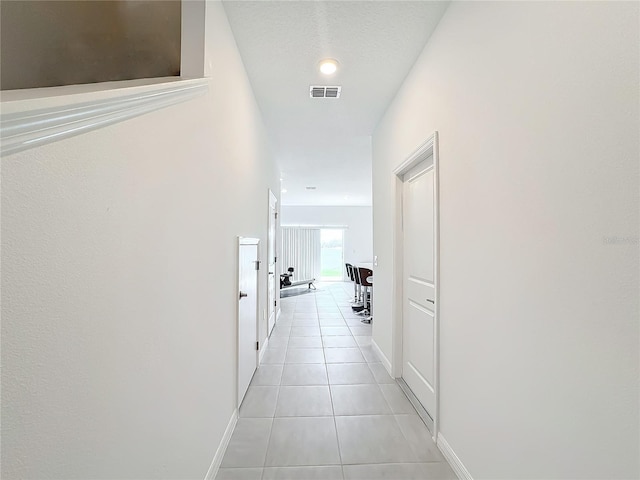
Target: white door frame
[
  {"x": 423, "y": 152},
  {"x": 246, "y": 241},
  {"x": 273, "y": 203}
]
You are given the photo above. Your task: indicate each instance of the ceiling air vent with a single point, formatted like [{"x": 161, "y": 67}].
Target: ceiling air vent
[{"x": 324, "y": 92}]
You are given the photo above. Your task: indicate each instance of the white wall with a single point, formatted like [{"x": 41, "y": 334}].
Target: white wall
[
  {"x": 358, "y": 236},
  {"x": 119, "y": 284},
  {"x": 537, "y": 108}
]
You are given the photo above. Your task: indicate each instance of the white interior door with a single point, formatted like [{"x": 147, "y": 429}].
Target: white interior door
[
  {"x": 419, "y": 322},
  {"x": 247, "y": 313},
  {"x": 271, "y": 260}
]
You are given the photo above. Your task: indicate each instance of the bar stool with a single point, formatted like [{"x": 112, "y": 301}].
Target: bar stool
[
  {"x": 358, "y": 306},
  {"x": 364, "y": 275},
  {"x": 352, "y": 277}
]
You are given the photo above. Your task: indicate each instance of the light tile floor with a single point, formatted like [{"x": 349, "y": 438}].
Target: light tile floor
[{"x": 322, "y": 407}]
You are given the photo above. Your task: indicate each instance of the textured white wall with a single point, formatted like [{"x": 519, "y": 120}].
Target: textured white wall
[
  {"x": 537, "y": 108},
  {"x": 358, "y": 237},
  {"x": 119, "y": 285}
]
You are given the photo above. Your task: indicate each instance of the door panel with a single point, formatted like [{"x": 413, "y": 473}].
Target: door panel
[
  {"x": 418, "y": 327},
  {"x": 420, "y": 355},
  {"x": 247, "y": 315},
  {"x": 418, "y": 220},
  {"x": 419, "y": 289}
]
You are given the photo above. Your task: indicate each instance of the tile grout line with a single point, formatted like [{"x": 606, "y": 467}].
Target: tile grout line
[
  {"x": 335, "y": 423},
  {"x": 273, "y": 419}
]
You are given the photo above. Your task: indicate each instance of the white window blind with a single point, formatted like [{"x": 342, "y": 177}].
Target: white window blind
[{"x": 301, "y": 250}]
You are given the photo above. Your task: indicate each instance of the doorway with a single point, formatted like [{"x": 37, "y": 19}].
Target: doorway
[
  {"x": 416, "y": 333},
  {"x": 272, "y": 302}
]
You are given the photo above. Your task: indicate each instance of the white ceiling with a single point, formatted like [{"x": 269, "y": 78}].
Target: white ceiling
[{"x": 326, "y": 143}]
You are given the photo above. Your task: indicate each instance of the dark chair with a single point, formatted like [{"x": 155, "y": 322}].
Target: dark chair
[
  {"x": 286, "y": 280},
  {"x": 364, "y": 275},
  {"x": 350, "y": 273},
  {"x": 358, "y": 305}
]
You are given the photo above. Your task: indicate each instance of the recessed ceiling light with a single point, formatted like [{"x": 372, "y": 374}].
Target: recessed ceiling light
[{"x": 329, "y": 66}]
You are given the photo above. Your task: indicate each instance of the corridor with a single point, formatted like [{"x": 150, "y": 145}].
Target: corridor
[{"x": 323, "y": 407}]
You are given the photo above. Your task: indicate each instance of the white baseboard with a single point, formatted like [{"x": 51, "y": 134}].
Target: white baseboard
[
  {"x": 222, "y": 448},
  {"x": 383, "y": 358},
  {"x": 455, "y": 462},
  {"x": 263, "y": 349}
]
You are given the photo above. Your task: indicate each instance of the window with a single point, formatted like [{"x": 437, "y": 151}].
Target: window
[
  {"x": 331, "y": 254},
  {"x": 301, "y": 250}
]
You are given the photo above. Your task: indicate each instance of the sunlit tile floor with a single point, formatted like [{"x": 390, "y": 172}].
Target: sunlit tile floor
[{"x": 322, "y": 407}]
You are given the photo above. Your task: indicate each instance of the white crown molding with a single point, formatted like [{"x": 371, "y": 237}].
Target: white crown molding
[
  {"x": 22, "y": 129},
  {"x": 421, "y": 153}
]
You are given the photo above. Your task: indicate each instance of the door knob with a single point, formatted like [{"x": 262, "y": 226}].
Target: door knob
[
  {"x": 429, "y": 300},
  {"x": 242, "y": 294}
]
